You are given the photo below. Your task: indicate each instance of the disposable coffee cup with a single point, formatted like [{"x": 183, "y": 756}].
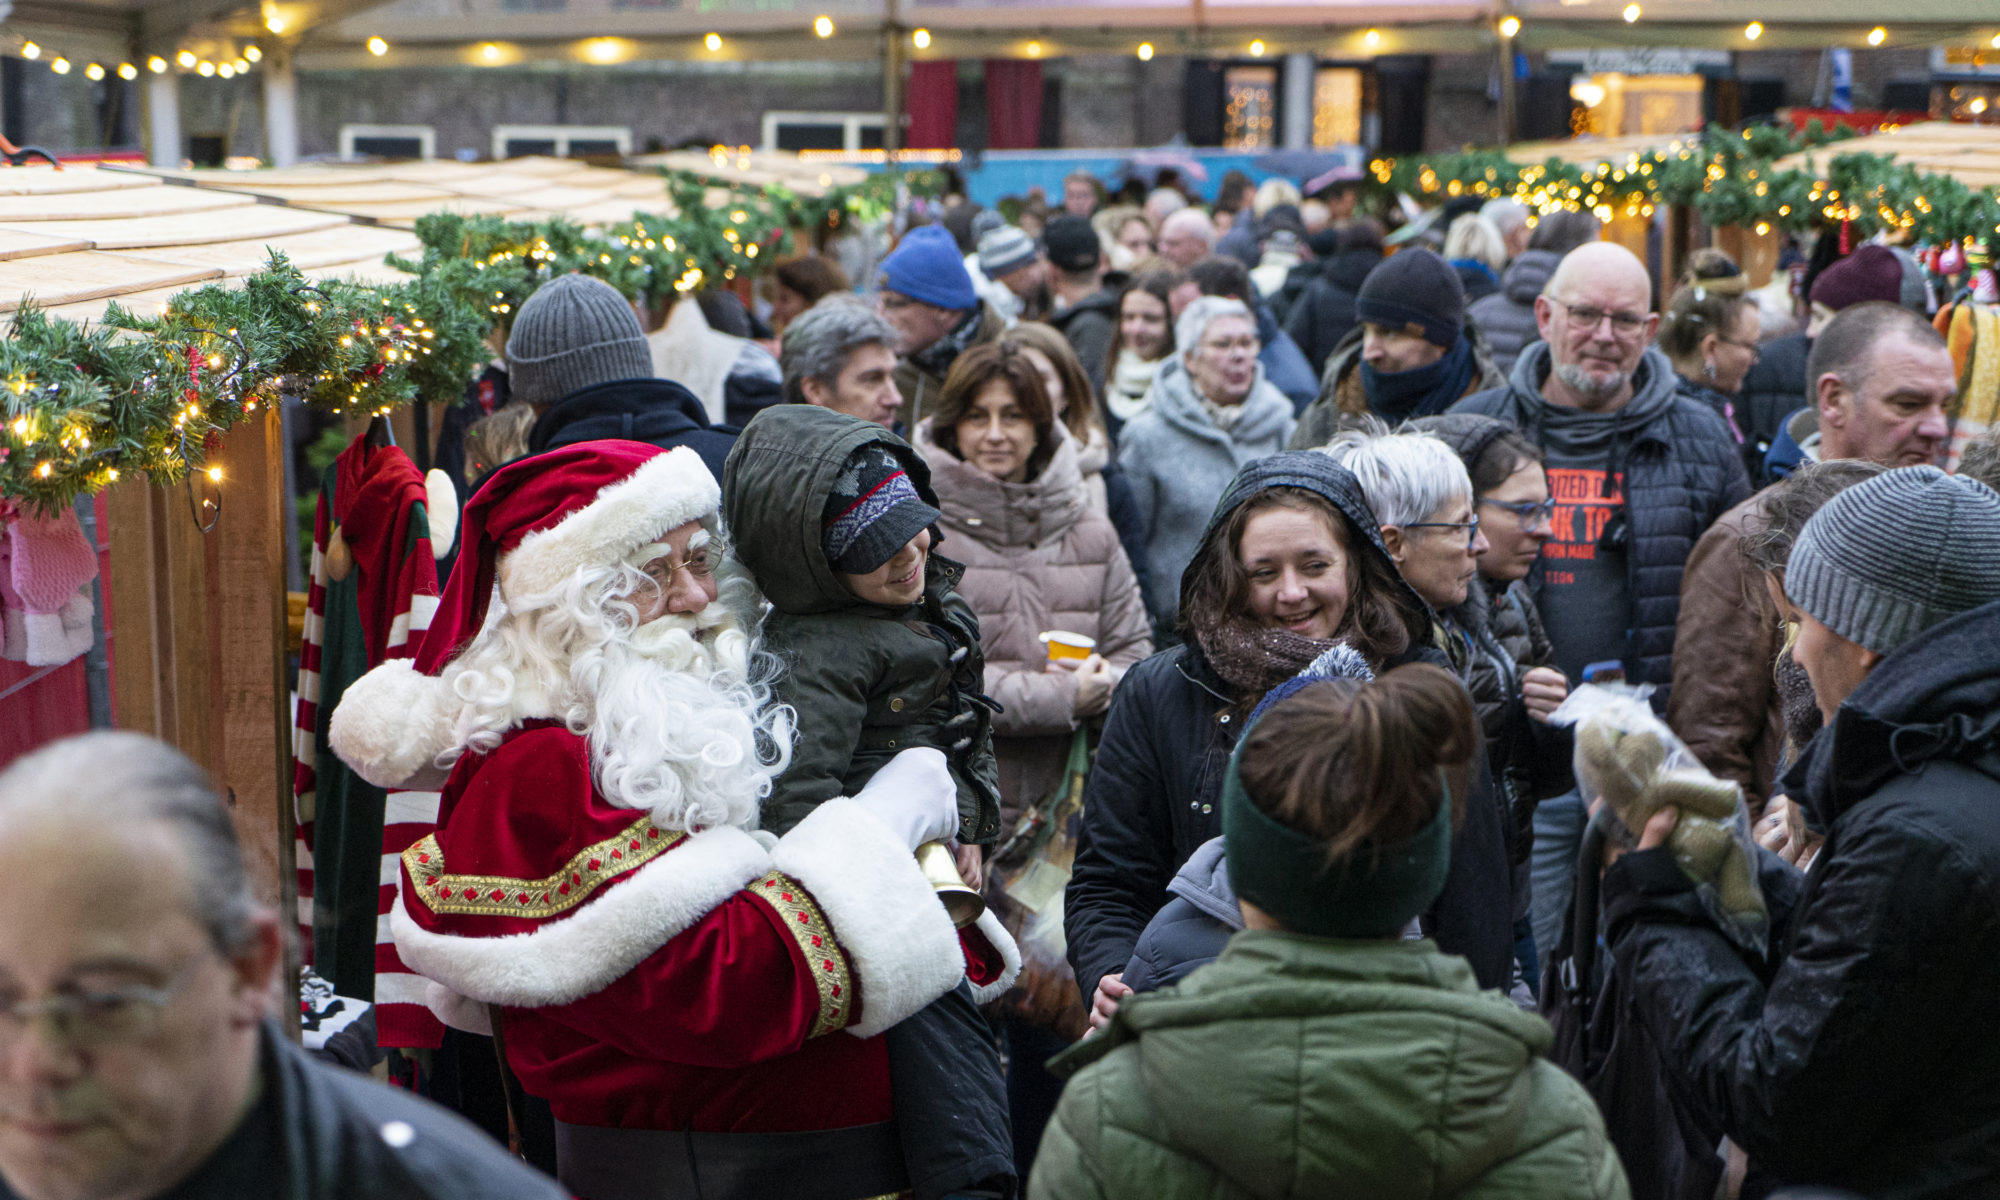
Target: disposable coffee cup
[{"x": 1064, "y": 645}]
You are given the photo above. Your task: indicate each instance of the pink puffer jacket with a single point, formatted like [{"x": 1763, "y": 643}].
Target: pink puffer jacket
[{"x": 1037, "y": 557}]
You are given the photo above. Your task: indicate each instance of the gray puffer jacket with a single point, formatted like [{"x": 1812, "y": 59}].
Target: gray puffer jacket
[
  {"x": 1507, "y": 317},
  {"x": 1179, "y": 462},
  {"x": 1682, "y": 470},
  {"x": 1192, "y": 929}
]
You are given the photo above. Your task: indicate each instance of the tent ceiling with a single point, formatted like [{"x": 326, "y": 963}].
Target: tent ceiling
[
  {"x": 502, "y": 33},
  {"x": 115, "y": 28}
]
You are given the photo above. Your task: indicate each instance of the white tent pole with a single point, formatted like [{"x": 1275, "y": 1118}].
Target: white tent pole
[
  {"x": 163, "y": 101},
  {"x": 281, "y": 108},
  {"x": 1299, "y": 70}
]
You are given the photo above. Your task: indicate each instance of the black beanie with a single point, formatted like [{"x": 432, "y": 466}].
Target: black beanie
[{"x": 1416, "y": 292}]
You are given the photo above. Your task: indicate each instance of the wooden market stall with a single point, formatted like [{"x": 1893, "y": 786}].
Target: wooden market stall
[
  {"x": 396, "y": 194},
  {"x": 756, "y": 168},
  {"x": 1968, "y": 153},
  {"x": 196, "y": 648}
]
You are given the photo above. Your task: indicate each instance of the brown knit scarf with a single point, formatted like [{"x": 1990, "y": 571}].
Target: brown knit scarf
[{"x": 1252, "y": 659}]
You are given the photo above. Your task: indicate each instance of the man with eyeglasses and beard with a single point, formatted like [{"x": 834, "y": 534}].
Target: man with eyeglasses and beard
[
  {"x": 1637, "y": 473},
  {"x": 139, "y": 1057}
]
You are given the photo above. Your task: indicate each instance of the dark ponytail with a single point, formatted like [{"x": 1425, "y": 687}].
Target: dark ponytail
[{"x": 1355, "y": 765}]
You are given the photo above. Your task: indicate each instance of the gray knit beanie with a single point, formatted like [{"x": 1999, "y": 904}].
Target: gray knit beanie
[
  {"x": 575, "y": 331},
  {"x": 1887, "y": 559}
]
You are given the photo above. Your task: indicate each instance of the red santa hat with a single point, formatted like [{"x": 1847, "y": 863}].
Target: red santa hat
[{"x": 529, "y": 527}]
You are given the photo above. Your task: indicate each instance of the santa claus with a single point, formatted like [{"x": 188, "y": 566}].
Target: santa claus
[{"x": 699, "y": 1004}]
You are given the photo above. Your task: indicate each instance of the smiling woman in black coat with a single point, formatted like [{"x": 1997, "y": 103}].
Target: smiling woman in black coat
[{"x": 1152, "y": 794}]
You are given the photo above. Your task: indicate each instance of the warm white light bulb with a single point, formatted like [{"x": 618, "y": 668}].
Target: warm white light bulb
[
  {"x": 713, "y": 41},
  {"x": 94, "y": 72},
  {"x": 30, "y": 51},
  {"x": 377, "y": 47},
  {"x": 823, "y": 26},
  {"x": 253, "y": 54},
  {"x": 921, "y": 39},
  {"x": 1754, "y": 30},
  {"x": 1877, "y": 36},
  {"x": 1145, "y": 52},
  {"x": 127, "y": 71},
  {"x": 1631, "y": 13}
]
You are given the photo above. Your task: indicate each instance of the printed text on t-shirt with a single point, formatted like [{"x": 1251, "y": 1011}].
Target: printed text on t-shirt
[{"x": 1584, "y": 506}]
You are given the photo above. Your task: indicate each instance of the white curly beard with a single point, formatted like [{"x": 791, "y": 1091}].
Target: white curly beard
[
  {"x": 676, "y": 722},
  {"x": 677, "y": 710}
]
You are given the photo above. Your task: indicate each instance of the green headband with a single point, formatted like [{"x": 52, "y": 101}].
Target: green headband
[{"x": 1285, "y": 873}]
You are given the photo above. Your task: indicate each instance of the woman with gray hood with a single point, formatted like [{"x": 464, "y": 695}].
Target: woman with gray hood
[{"x": 1211, "y": 411}]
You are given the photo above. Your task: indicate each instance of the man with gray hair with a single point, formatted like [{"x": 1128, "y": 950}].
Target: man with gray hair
[
  {"x": 1841, "y": 1063},
  {"x": 1510, "y": 217},
  {"x": 138, "y": 1054},
  {"x": 1637, "y": 471},
  {"x": 840, "y": 355},
  {"x": 1186, "y": 237}
]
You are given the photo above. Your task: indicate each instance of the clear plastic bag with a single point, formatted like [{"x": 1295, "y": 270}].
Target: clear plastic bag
[{"x": 1626, "y": 756}]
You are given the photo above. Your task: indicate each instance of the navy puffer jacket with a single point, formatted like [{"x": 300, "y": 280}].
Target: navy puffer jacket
[{"x": 1683, "y": 470}]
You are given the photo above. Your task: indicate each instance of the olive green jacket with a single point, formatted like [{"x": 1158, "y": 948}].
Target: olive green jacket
[
  {"x": 1312, "y": 1067},
  {"x": 865, "y": 682}
]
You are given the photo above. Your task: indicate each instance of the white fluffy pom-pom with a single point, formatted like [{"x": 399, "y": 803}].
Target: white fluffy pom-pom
[{"x": 391, "y": 723}]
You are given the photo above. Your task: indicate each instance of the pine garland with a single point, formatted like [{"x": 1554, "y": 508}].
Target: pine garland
[
  {"x": 81, "y": 408},
  {"x": 1728, "y": 178}
]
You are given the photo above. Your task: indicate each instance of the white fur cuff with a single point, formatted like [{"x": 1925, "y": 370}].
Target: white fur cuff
[
  {"x": 883, "y": 912},
  {"x": 989, "y": 927},
  {"x": 456, "y": 1011},
  {"x": 586, "y": 951}
]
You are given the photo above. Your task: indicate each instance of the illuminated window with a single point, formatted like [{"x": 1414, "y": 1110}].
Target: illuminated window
[
  {"x": 1249, "y": 118},
  {"x": 1337, "y": 106}
]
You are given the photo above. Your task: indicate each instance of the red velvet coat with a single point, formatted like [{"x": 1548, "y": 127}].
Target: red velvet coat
[{"x": 653, "y": 979}]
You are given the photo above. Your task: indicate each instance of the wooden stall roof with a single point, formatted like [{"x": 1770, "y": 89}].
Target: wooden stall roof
[
  {"x": 396, "y": 194},
  {"x": 1968, "y": 153},
  {"x": 1594, "y": 149},
  {"x": 76, "y": 239},
  {"x": 757, "y": 168}
]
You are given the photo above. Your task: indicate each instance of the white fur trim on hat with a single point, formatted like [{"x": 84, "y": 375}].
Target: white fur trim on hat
[
  {"x": 392, "y": 723},
  {"x": 665, "y": 493},
  {"x": 883, "y": 911}
]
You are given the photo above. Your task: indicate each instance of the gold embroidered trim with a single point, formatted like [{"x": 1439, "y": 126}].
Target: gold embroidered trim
[
  {"x": 502, "y": 896},
  {"x": 824, "y": 957}
]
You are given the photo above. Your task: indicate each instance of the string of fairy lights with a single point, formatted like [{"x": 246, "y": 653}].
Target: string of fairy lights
[
  {"x": 1728, "y": 179},
  {"x": 82, "y": 406},
  {"x": 606, "y": 50}
]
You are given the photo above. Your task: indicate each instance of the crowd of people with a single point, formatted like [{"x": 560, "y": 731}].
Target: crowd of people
[{"x": 1202, "y": 586}]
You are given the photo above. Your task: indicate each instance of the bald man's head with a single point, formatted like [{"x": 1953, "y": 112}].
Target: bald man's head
[
  {"x": 1596, "y": 316},
  {"x": 1601, "y": 264}
]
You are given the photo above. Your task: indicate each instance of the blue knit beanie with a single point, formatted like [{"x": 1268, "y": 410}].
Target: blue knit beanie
[{"x": 928, "y": 267}]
